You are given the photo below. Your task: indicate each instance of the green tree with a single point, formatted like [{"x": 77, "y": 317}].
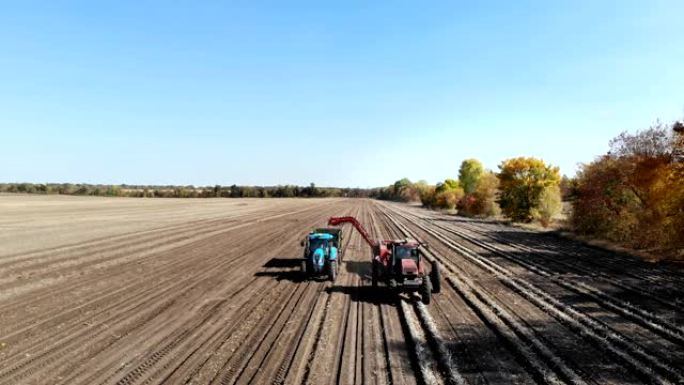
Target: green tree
[
  {"x": 311, "y": 191},
  {"x": 469, "y": 174},
  {"x": 405, "y": 191},
  {"x": 447, "y": 194},
  {"x": 113, "y": 191},
  {"x": 482, "y": 201},
  {"x": 447, "y": 185},
  {"x": 82, "y": 190},
  {"x": 521, "y": 182}
]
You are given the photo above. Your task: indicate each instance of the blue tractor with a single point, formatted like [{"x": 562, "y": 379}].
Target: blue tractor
[{"x": 321, "y": 252}]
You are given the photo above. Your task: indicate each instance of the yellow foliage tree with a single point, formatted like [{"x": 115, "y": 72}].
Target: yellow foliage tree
[
  {"x": 521, "y": 183},
  {"x": 448, "y": 194},
  {"x": 449, "y": 198}
]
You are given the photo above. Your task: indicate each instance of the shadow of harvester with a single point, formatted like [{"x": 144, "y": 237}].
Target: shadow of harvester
[{"x": 380, "y": 295}]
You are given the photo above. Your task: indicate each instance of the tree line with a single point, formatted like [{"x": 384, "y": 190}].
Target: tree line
[
  {"x": 633, "y": 195},
  {"x": 524, "y": 189},
  {"x": 217, "y": 191}
]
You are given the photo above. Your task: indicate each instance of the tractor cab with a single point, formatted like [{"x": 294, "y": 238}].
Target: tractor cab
[
  {"x": 319, "y": 241},
  {"x": 405, "y": 259}
]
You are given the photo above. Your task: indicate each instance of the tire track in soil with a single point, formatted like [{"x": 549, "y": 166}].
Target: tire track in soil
[
  {"x": 283, "y": 358},
  {"x": 396, "y": 338},
  {"x": 324, "y": 361}
]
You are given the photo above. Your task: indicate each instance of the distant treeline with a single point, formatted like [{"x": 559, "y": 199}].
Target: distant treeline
[{"x": 234, "y": 191}]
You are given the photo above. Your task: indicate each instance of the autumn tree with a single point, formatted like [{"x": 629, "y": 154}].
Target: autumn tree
[
  {"x": 425, "y": 193},
  {"x": 448, "y": 194},
  {"x": 469, "y": 174},
  {"x": 405, "y": 191},
  {"x": 448, "y": 184},
  {"x": 521, "y": 183},
  {"x": 568, "y": 187},
  {"x": 448, "y": 199},
  {"x": 482, "y": 201},
  {"x": 480, "y": 187},
  {"x": 550, "y": 204},
  {"x": 605, "y": 206},
  {"x": 633, "y": 194},
  {"x": 427, "y": 196}
]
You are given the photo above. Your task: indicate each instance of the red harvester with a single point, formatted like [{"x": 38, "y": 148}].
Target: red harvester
[{"x": 398, "y": 263}]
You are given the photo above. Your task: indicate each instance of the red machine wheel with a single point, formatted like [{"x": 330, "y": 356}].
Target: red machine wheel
[
  {"x": 426, "y": 291},
  {"x": 376, "y": 272},
  {"x": 435, "y": 278}
]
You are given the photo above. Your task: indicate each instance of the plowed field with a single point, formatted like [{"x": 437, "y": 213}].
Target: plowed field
[{"x": 208, "y": 291}]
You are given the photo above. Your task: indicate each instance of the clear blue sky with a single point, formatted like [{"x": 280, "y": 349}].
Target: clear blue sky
[{"x": 342, "y": 94}]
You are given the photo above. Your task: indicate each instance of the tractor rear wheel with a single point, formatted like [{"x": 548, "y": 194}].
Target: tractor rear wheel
[
  {"x": 426, "y": 291},
  {"x": 374, "y": 275},
  {"x": 435, "y": 278},
  {"x": 332, "y": 274}
]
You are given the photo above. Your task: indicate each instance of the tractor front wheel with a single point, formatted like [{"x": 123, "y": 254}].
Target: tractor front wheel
[
  {"x": 332, "y": 274},
  {"x": 426, "y": 291}
]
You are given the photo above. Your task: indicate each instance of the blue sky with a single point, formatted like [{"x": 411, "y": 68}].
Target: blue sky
[{"x": 340, "y": 94}]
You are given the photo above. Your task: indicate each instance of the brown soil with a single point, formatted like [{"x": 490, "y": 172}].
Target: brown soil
[{"x": 154, "y": 291}]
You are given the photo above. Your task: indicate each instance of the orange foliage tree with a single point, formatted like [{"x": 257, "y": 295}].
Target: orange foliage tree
[
  {"x": 482, "y": 200},
  {"x": 635, "y": 194}
]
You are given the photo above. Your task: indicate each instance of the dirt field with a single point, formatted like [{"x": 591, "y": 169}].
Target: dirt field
[{"x": 151, "y": 291}]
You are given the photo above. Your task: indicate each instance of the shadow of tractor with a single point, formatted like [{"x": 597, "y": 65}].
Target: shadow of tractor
[
  {"x": 280, "y": 269},
  {"x": 283, "y": 263}
]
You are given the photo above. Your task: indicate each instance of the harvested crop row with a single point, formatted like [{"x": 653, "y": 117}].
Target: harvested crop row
[{"x": 622, "y": 348}]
